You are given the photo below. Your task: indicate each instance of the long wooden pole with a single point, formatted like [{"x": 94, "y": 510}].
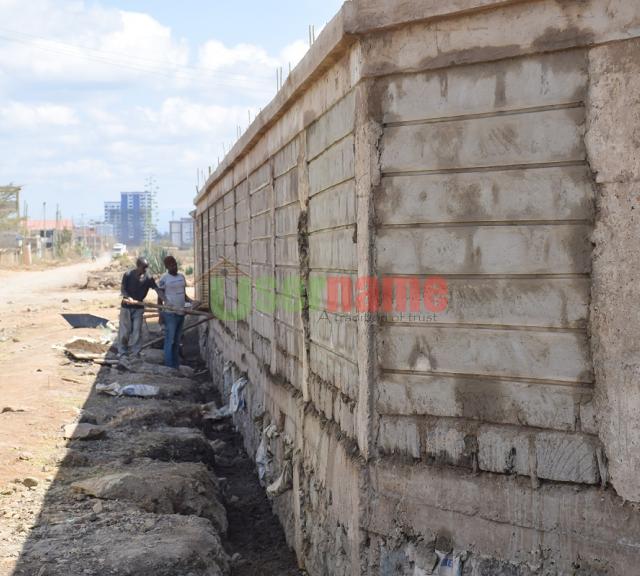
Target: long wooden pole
[{"x": 157, "y": 340}]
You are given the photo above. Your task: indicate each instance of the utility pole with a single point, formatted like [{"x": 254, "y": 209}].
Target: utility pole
[
  {"x": 44, "y": 226},
  {"x": 151, "y": 193}
]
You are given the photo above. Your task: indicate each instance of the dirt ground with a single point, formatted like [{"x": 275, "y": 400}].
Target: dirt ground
[{"x": 194, "y": 524}]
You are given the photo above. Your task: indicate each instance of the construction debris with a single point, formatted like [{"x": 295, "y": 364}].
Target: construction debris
[
  {"x": 86, "y": 349},
  {"x": 138, "y": 390}
]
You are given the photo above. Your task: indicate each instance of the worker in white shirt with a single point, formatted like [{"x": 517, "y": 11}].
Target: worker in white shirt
[{"x": 172, "y": 293}]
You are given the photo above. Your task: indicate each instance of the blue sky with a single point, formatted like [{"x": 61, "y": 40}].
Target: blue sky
[{"x": 97, "y": 96}]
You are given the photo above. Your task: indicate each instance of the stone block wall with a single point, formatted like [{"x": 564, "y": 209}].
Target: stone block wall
[{"x": 487, "y": 147}]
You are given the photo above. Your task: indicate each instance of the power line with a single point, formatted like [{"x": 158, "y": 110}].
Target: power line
[
  {"x": 106, "y": 53},
  {"x": 81, "y": 52}
]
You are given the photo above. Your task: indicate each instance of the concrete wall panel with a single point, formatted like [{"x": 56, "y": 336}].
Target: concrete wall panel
[
  {"x": 496, "y": 400},
  {"x": 333, "y": 208},
  {"x": 515, "y": 195},
  {"x": 562, "y": 356},
  {"x": 533, "y": 82},
  {"x": 505, "y": 140},
  {"x": 332, "y": 167},
  {"x": 524, "y": 249}
]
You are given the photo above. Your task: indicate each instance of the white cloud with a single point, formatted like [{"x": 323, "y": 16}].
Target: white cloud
[
  {"x": 18, "y": 115},
  {"x": 94, "y": 99},
  {"x": 294, "y": 52}
]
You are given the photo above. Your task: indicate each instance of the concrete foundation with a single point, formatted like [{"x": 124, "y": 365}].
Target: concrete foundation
[{"x": 421, "y": 255}]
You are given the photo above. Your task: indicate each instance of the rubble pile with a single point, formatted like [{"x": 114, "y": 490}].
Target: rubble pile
[{"x": 110, "y": 277}]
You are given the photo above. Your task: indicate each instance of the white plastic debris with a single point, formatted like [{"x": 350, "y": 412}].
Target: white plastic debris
[
  {"x": 237, "y": 399},
  {"x": 138, "y": 390},
  {"x": 236, "y": 402},
  {"x": 263, "y": 459},
  {"x": 283, "y": 483},
  {"x": 449, "y": 564}
]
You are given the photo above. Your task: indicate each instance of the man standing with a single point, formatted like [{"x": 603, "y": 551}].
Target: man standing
[
  {"x": 135, "y": 287},
  {"x": 172, "y": 293}
]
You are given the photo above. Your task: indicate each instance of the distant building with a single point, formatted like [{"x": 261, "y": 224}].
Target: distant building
[
  {"x": 131, "y": 219},
  {"x": 112, "y": 217},
  {"x": 47, "y": 229},
  {"x": 181, "y": 232}
]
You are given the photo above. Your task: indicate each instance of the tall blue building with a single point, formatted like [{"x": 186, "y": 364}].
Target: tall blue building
[{"x": 135, "y": 217}]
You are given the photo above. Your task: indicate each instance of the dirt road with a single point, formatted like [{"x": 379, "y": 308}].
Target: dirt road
[{"x": 20, "y": 287}]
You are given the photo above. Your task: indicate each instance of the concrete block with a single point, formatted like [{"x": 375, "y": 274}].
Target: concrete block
[
  {"x": 333, "y": 249},
  {"x": 399, "y": 436},
  {"x": 334, "y": 331},
  {"x": 286, "y": 188},
  {"x": 331, "y": 126},
  {"x": 228, "y": 200},
  {"x": 556, "y": 356},
  {"x": 555, "y": 193},
  {"x": 524, "y": 249},
  {"x": 531, "y": 138},
  {"x": 288, "y": 311},
  {"x": 332, "y": 167},
  {"x": 261, "y": 200},
  {"x": 532, "y": 81},
  {"x": 330, "y": 367},
  {"x": 262, "y": 225},
  {"x": 287, "y": 251},
  {"x": 289, "y": 340},
  {"x": 554, "y": 456},
  {"x": 242, "y": 232},
  {"x": 287, "y": 219},
  {"x": 482, "y": 399},
  {"x": 262, "y": 323},
  {"x": 230, "y": 236},
  {"x": 286, "y": 158},
  {"x": 335, "y": 207},
  {"x": 229, "y": 216},
  {"x": 242, "y": 211},
  {"x": 260, "y": 177},
  {"x": 567, "y": 457},
  {"x": 261, "y": 251}
]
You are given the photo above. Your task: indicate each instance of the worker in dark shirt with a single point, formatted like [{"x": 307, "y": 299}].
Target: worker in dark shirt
[{"x": 135, "y": 286}]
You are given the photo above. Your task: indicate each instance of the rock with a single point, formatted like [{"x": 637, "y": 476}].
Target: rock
[
  {"x": 130, "y": 543},
  {"x": 80, "y": 431},
  {"x": 162, "y": 488},
  {"x": 29, "y": 482},
  {"x": 65, "y": 301},
  {"x": 98, "y": 507},
  {"x": 218, "y": 446},
  {"x": 25, "y": 456}
]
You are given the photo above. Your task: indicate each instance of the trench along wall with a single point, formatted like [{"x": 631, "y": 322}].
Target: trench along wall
[{"x": 407, "y": 156}]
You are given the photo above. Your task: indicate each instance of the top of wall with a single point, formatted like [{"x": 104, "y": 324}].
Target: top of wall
[
  {"x": 554, "y": 25},
  {"x": 356, "y": 17}
]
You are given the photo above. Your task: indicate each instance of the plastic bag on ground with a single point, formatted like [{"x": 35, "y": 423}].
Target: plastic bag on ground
[
  {"x": 236, "y": 402},
  {"x": 137, "y": 390}
]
